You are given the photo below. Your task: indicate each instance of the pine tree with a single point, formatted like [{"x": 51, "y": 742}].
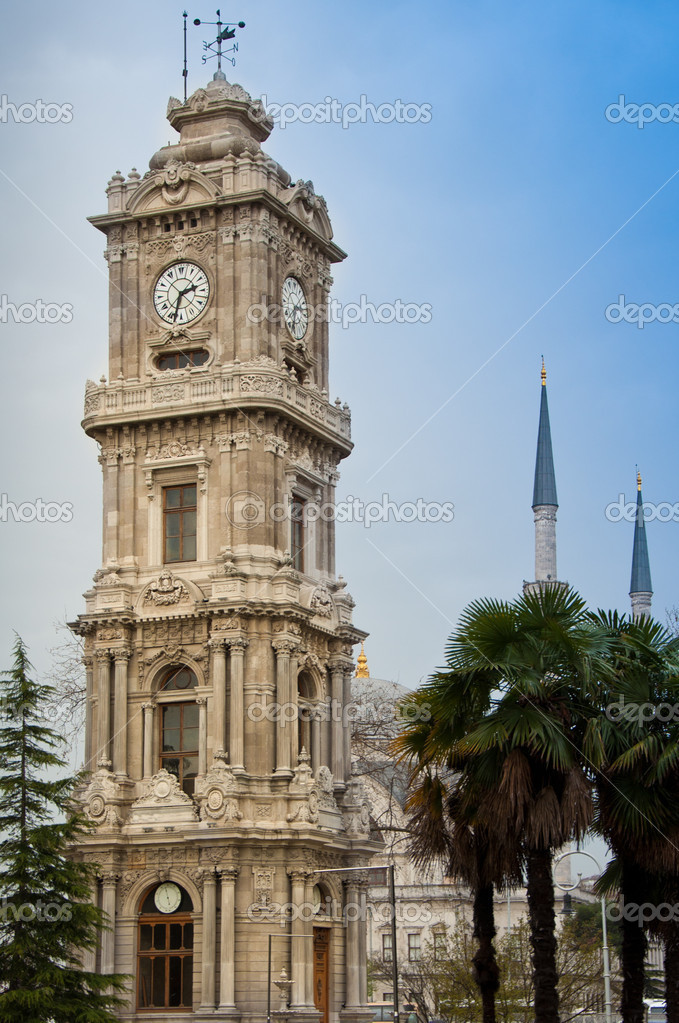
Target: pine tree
[{"x": 47, "y": 921}]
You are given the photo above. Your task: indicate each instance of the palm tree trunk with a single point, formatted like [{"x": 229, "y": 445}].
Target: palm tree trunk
[
  {"x": 486, "y": 972},
  {"x": 540, "y": 893},
  {"x": 633, "y": 947},
  {"x": 671, "y": 965}
]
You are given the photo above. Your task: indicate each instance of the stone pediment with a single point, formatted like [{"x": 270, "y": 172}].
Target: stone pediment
[
  {"x": 177, "y": 184},
  {"x": 163, "y": 803},
  {"x": 310, "y": 208},
  {"x": 167, "y": 593}
]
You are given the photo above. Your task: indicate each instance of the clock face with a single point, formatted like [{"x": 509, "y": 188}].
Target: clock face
[
  {"x": 167, "y": 897},
  {"x": 295, "y": 310},
  {"x": 181, "y": 293}
]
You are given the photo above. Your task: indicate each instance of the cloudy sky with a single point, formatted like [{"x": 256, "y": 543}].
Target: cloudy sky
[{"x": 514, "y": 209}]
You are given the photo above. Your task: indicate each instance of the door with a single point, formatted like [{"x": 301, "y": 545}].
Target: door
[{"x": 321, "y": 948}]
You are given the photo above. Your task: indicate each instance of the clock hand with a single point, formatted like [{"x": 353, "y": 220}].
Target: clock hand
[{"x": 191, "y": 287}]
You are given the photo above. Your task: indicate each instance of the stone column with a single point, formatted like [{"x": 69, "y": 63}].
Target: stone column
[
  {"x": 202, "y": 735},
  {"x": 293, "y": 696},
  {"x": 283, "y": 649},
  {"x": 148, "y": 739},
  {"x": 227, "y": 960},
  {"x": 299, "y": 954},
  {"x": 315, "y": 750},
  {"x": 337, "y": 717},
  {"x": 209, "y": 940},
  {"x": 219, "y": 693},
  {"x": 363, "y": 945},
  {"x": 120, "y": 712},
  {"x": 352, "y": 950},
  {"x": 236, "y": 754},
  {"x": 347, "y": 721},
  {"x": 108, "y": 937},
  {"x": 103, "y": 708},
  {"x": 90, "y": 761}
]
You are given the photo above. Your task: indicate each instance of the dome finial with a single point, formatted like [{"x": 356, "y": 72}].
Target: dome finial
[
  {"x": 543, "y": 373},
  {"x": 638, "y": 479},
  {"x": 362, "y": 665}
]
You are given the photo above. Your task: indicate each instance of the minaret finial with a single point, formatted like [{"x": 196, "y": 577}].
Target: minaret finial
[
  {"x": 362, "y": 665},
  {"x": 638, "y": 480},
  {"x": 543, "y": 373}
]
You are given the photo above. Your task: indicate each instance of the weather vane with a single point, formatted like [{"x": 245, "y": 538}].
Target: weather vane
[{"x": 225, "y": 31}]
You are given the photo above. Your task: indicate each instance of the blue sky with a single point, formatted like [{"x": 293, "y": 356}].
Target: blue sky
[{"x": 519, "y": 213}]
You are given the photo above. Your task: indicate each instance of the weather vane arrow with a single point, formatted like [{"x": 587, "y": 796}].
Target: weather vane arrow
[{"x": 225, "y": 31}]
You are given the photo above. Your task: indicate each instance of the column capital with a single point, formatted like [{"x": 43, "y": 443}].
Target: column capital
[
  {"x": 237, "y": 644},
  {"x": 109, "y": 878},
  {"x": 285, "y": 645},
  {"x": 217, "y": 642},
  {"x": 228, "y": 874},
  {"x": 121, "y": 654},
  {"x": 102, "y": 655},
  {"x": 299, "y": 875}
]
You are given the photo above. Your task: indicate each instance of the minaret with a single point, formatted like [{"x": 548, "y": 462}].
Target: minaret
[
  {"x": 640, "y": 589},
  {"x": 545, "y": 501}
]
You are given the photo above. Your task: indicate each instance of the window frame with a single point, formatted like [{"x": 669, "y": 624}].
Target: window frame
[
  {"x": 298, "y": 525},
  {"x": 414, "y": 947},
  {"x": 180, "y": 510},
  {"x": 387, "y": 948},
  {"x": 154, "y": 919},
  {"x": 177, "y": 699}
]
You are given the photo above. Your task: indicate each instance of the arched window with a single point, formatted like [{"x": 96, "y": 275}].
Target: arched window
[
  {"x": 179, "y": 728},
  {"x": 165, "y": 949}
]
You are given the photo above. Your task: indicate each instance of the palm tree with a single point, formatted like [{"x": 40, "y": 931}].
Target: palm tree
[
  {"x": 637, "y": 787},
  {"x": 511, "y": 711}
]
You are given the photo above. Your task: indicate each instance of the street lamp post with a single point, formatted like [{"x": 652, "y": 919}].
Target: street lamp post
[
  {"x": 607, "y": 964},
  {"x": 392, "y": 901}
]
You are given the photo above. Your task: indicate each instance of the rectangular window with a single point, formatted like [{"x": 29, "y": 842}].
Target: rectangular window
[
  {"x": 297, "y": 515},
  {"x": 378, "y": 877},
  {"x": 386, "y": 949},
  {"x": 179, "y": 742},
  {"x": 439, "y": 946},
  {"x": 413, "y": 948},
  {"x": 179, "y": 523}
]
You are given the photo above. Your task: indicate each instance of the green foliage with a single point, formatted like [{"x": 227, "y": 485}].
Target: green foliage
[{"x": 47, "y": 920}]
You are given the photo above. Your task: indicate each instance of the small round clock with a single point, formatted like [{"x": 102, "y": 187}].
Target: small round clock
[
  {"x": 181, "y": 293},
  {"x": 167, "y": 897},
  {"x": 295, "y": 311}
]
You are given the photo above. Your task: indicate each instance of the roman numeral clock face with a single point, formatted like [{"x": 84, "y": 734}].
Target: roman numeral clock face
[
  {"x": 295, "y": 311},
  {"x": 181, "y": 293}
]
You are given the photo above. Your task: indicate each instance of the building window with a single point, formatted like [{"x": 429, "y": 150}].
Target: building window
[
  {"x": 179, "y": 742},
  {"x": 165, "y": 953},
  {"x": 386, "y": 951},
  {"x": 379, "y": 877},
  {"x": 180, "y": 360},
  {"x": 179, "y": 679},
  {"x": 440, "y": 945},
  {"x": 297, "y": 516},
  {"x": 179, "y": 523},
  {"x": 413, "y": 948},
  {"x": 387, "y": 996}
]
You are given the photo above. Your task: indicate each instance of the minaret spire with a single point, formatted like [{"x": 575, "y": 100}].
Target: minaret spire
[
  {"x": 545, "y": 501},
  {"x": 640, "y": 589}
]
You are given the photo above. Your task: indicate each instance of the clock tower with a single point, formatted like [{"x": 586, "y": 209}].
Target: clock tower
[{"x": 218, "y": 636}]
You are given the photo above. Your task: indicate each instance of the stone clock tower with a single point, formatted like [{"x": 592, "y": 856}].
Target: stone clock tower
[{"x": 218, "y": 636}]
